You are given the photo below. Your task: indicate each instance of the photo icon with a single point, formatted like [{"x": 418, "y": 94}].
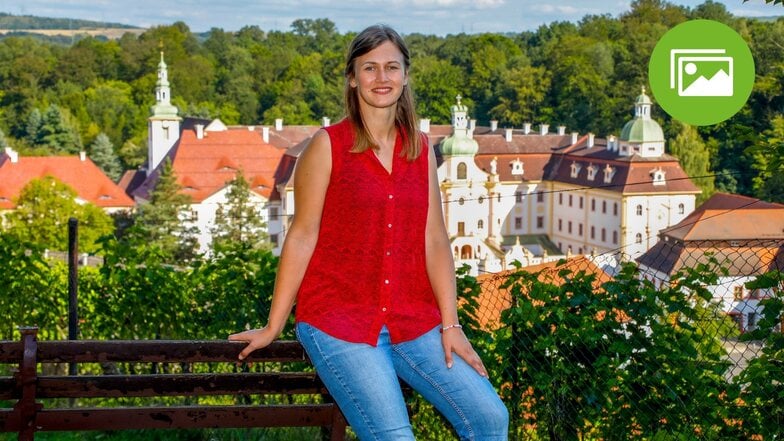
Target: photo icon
[{"x": 702, "y": 72}]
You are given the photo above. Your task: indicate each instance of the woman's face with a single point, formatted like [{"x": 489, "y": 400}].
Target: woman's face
[{"x": 379, "y": 76}]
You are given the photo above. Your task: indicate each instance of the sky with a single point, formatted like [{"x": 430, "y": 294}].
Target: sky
[{"x": 439, "y": 17}]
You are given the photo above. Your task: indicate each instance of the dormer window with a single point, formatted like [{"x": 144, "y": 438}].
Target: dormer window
[
  {"x": 592, "y": 169},
  {"x": 575, "y": 169},
  {"x": 517, "y": 167},
  {"x": 609, "y": 173},
  {"x": 658, "y": 177}
]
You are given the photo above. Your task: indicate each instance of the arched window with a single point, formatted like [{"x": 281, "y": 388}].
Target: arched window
[
  {"x": 639, "y": 210},
  {"x": 462, "y": 170},
  {"x": 480, "y": 225},
  {"x": 681, "y": 209},
  {"x": 466, "y": 252},
  {"x": 638, "y": 238}
]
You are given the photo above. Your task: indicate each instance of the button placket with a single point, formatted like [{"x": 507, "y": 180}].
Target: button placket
[{"x": 386, "y": 267}]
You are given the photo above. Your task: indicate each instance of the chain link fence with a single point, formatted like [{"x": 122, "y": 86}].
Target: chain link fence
[{"x": 683, "y": 343}]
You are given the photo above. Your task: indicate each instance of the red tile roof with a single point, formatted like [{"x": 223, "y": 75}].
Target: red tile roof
[
  {"x": 494, "y": 299},
  {"x": 743, "y": 234},
  {"x": 86, "y": 178},
  {"x": 632, "y": 174},
  {"x": 204, "y": 166},
  {"x": 731, "y": 217}
]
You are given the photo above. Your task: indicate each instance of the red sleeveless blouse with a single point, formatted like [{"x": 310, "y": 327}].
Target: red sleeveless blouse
[{"x": 368, "y": 268}]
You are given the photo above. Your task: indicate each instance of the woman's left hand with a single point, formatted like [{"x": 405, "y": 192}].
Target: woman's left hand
[{"x": 454, "y": 340}]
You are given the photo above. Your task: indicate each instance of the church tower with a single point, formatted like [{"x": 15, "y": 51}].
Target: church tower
[{"x": 163, "y": 126}]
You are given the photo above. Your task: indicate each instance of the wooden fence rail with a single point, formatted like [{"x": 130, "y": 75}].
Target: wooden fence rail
[{"x": 44, "y": 397}]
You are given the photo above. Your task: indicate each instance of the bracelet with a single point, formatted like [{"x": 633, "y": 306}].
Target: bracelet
[{"x": 445, "y": 328}]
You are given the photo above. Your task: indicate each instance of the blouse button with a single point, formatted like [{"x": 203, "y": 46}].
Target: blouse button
[
  {"x": 389, "y": 225},
  {"x": 390, "y": 196},
  {"x": 386, "y": 281},
  {"x": 384, "y": 309}
]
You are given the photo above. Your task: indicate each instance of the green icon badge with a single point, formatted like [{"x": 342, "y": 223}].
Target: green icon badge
[{"x": 701, "y": 72}]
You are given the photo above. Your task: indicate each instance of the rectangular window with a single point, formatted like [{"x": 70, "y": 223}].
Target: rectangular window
[
  {"x": 539, "y": 221},
  {"x": 540, "y": 197},
  {"x": 615, "y": 209},
  {"x": 593, "y": 204},
  {"x": 737, "y": 292},
  {"x": 570, "y": 200},
  {"x": 593, "y": 232},
  {"x": 274, "y": 240},
  {"x": 560, "y": 198},
  {"x": 518, "y": 223},
  {"x": 518, "y": 196},
  {"x": 560, "y": 225},
  {"x": 581, "y": 202},
  {"x": 752, "y": 321},
  {"x": 273, "y": 213},
  {"x": 580, "y": 230},
  {"x": 569, "y": 227},
  {"x": 604, "y": 206},
  {"x": 461, "y": 228}
]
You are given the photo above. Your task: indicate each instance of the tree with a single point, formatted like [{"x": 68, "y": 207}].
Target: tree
[
  {"x": 436, "y": 83},
  {"x": 110, "y": 106},
  {"x": 238, "y": 221},
  {"x": 42, "y": 212},
  {"x": 610, "y": 359},
  {"x": 58, "y": 131},
  {"x": 34, "y": 121},
  {"x": 771, "y": 2},
  {"x": 3, "y": 140},
  {"x": 26, "y": 296},
  {"x": 522, "y": 95},
  {"x": 768, "y": 157},
  {"x": 102, "y": 153},
  {"x": 694, "y": 158},
  {"x": 160, "y": 221}
]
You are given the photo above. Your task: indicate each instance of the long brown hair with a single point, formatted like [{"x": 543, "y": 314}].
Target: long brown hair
[{"x": 405, "y": 118}]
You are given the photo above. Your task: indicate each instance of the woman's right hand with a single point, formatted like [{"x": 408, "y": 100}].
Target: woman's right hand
[{"x": 256, "y": 339}]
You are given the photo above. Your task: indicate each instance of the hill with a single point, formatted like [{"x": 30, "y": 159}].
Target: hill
[{"x": 29, "y": 22}]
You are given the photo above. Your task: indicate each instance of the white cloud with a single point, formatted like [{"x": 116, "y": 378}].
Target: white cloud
[{"x": 477, "y": 3}]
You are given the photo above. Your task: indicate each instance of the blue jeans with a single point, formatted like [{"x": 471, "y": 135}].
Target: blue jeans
[{"x": 363, "y": 380}]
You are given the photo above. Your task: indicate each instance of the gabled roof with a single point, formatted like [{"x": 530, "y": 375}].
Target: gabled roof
[
  {"x": 731, "y": 217},
  {"x": 86, "y": 178},
  {"x": 204, "y": 166},
  {"x": 747, "y": 258},
  {"x": 745, "y": 235}
]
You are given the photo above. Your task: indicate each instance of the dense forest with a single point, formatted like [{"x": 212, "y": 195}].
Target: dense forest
[{"x": 95, "y": 94}]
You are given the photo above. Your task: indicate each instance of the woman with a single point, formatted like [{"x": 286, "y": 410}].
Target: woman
[{"x": 377, "y": 298}]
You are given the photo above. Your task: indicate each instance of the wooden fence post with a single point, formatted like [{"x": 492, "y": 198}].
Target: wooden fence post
[{"x": 27, "y": 377}]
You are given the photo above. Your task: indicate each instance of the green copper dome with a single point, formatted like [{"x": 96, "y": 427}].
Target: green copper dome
[
  {"x": 459, "y": 145},
  {"x": 642, "y": 128}
]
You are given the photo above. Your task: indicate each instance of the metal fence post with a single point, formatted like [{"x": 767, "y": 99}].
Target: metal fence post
[{"x": 73, "y": 285}]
